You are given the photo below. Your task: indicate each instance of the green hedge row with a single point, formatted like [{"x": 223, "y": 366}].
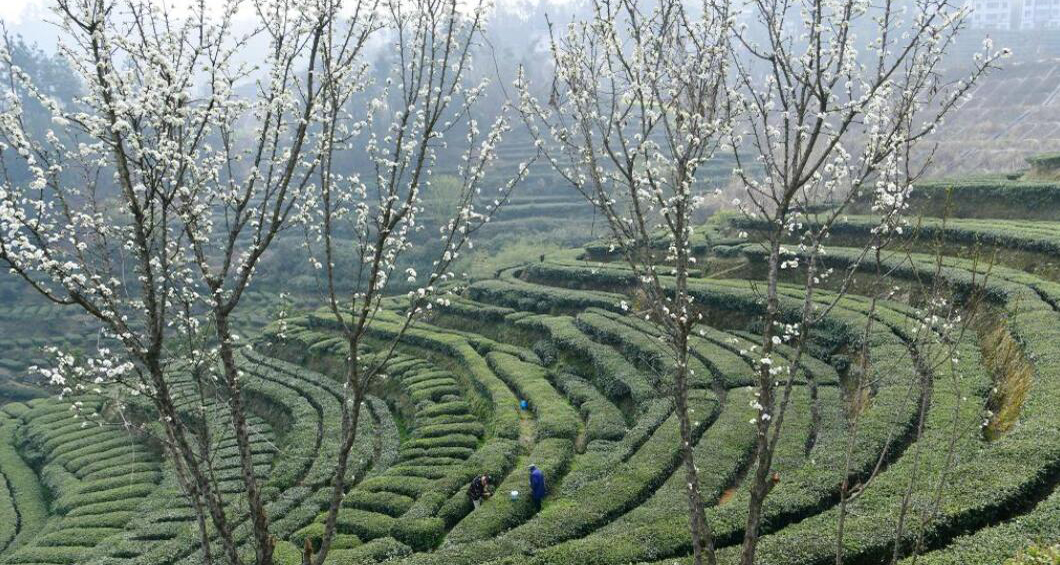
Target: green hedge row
[
  {"x": 76, "y": 537},
  {"x": 564, "y": 517},
  {"x": 476, "y": 310},
  {"x": 103, "y": 467},
  {"x": 981, "y": 197},
  {"x": 611, "y": 373},
  {"x": 501, "y": 513},
  {"x": 997, "y": 543},
  {"x": 139, "y": 465},
  {"x": 392, "y": 482},
  {"x": 435, "y": 393},
  {"x": 582, "y": 275},
  {"x": 387, "y": 434},
  {"x": 431, "y": 467},
  {"x": 530, "y": 297},
  {"x": 33, "y": 555},
  {"x": 448, "y": 419},
  {"x": 363, "y": 524},
  {"x": 13, "y": 391},
  {"x": 1045, "y": 160},
  {"x": 14, "y": 409},
  {"x": 382, "y": 502},
  {"x": 707, "y": 358},
  {"x": 642, "y": 349},
  {"x": 802, "y": 491},
  {"x": 412, "y": 454},
  {"x": 373, "y": 551},
  {"x": 1020, "y": 235},
  {"x": 454, "y": 407},
  {"x": 412, "y": 377},
  {"x": 9, "y": 519},
  {"x": 452, "y": 440},
  {"x": 603, "y": 420},
  {"x": 602, "y": 456},
  {"x": 554, "y": 415}
]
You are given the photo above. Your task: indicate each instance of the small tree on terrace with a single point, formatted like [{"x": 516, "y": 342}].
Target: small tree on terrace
[
  {"x": 157, "y": 195},
  {"x": 829, "y": 117},
  {"x": 422, "y": 110},
  {"x": 638, "y": 104}
]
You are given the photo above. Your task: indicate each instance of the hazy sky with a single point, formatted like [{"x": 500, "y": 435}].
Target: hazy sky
[
  {"x": 14, "y": 11},
  {"x": 25, "y": 17},
  {"x": 29, "y": 17}
]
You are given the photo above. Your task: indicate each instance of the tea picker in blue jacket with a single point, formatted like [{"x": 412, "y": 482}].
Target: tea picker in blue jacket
[{"x": 537, "y": 486}]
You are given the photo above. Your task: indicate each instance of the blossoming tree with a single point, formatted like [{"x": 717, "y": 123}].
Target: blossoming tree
[
  {"x": 638, "y": 105},
  {"x": 157, "y": 194},
  {"x": 815, "y": 117},
  {"x": 829, "y": 117},
  {"x": 359, "y": 225}
]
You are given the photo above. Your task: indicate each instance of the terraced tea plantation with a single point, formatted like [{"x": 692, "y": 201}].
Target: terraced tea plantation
[{"x": 599, "y": 424}]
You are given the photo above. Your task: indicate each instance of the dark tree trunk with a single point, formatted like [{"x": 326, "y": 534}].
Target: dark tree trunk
[
  {"x": 702, "y": 537},
  {"x": 351, "y": 416},
  {"x": 763, "y": 458},
  {"x": 189, "y": 472},
  {"x": 264, "y": 543}
]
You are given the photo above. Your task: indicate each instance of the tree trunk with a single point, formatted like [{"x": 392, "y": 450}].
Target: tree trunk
[
  {"x": 351, "y": 416},
  {"x": 815, "y": 411},
  {"x": 191, "y": 490},
  {"x": 189, "y": 473},
  {"x": 264, "y": 542},
  {"x": 759, "y": 490},
  {"x": 204, "y": 533},
  {"x": 760, "y": 484},
  {"x": 702, "y": 537},
  {"x": 199, "y": 488},
  {"x": 926, "y": 394}
]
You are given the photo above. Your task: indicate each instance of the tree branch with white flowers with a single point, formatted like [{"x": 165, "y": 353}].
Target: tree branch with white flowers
[
  {"x": 158, "y": 193},
  {"x": 828, "y": 118},
  {"x": 424, "y": 108},
  {"x": 639, "y": 103}
]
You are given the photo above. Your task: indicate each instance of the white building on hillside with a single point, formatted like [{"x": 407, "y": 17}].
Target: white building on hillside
[
  {"x": 1040, "y": 14},
  {"x": 1002, "y": 15},
  {"x": 1015, "y": 15}
]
